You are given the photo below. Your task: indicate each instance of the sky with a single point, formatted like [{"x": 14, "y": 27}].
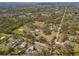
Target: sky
[{"x": 39, "y": 0}]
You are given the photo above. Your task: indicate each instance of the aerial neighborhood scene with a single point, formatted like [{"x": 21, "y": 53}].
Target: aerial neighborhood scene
[{"x": 39, "y": 29}]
